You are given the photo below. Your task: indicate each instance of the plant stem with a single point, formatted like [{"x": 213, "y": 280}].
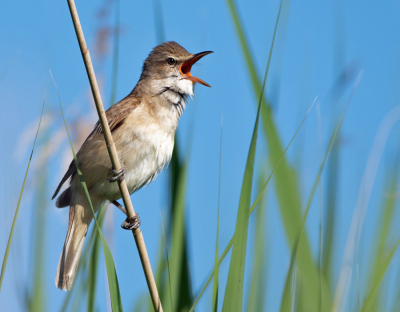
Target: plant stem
[{"x": 112, "y": 151}]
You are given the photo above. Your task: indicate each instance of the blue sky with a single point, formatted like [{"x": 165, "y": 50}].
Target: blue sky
[{"x": 314, "y": 45}]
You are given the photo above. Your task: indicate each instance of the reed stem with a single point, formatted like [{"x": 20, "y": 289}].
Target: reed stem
[{"x": 112, "y": 151}]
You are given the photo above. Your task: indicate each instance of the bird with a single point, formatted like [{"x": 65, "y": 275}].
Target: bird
[{"x": 143, "y": 126}]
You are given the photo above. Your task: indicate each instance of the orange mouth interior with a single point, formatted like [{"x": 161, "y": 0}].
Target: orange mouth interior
[{"x": 187, "y": 66}]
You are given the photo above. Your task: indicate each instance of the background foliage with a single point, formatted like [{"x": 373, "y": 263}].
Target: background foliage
[{"x": 322, "y": 235}]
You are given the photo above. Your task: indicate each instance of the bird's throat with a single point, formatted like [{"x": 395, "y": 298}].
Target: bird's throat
[{"x": 176, "y": 99}]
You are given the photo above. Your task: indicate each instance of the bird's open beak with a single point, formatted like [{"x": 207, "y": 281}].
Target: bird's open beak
[{"x": 187, "y": 66}]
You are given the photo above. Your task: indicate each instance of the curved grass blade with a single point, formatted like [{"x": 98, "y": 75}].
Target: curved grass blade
[
  {"x": 37, "y": 296},
  {"x": 286, "y": 298},
  {"x": 161, "y": 266},
  {"x": 286, "y": 182},
  {"x": 169, "y": 271},
  {"x": 256, "y": 297},
  {"x": 386, "y": 225},
  {"x": 181, "y": 287},
  {"x": 378, "y": 278},
  {"x": 94, "y": 263},
  {"x": 253, "y": 206},
  {"x": 179, "y": 268},
  {"x": 233, "y": 299},
  {"x": 116, "y": 303},
  {"x": 380, "y": 262},
  {"x": 159, "y": 21},
  {"x": 216, "y": 265},
  {"x": 115, "y": 54},
  {"x": 3, "y": 267}
]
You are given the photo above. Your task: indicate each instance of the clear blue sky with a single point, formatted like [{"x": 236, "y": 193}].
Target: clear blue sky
[{"x": 314, "y": 45}]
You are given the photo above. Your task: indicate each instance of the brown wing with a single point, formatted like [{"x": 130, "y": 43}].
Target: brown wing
[{"x": 116, "y": 116}]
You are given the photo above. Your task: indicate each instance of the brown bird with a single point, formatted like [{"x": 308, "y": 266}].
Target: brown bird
[{"x": 143, "y": 126}]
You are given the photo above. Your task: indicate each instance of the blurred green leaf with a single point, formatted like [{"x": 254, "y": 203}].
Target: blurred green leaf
[
  {"x": 330, "y": 215},
  {"x": 384, "y": 263},
  {"x": 233, "y": 300},
  {"x": 115, "y": 295},
  {"x": 115, "y": 54},
  {"x": 216, "y": 265},
  {"x": 286, "y": 304},
  {"x": 253, "y": 206},
  {"x": 37, "y": 296},
  {"x": 256, "y": 297},
  {"x": 383, "y": 235},
  {"x": 94, "y": 263},
  {"x": 161, "y": 267},
  {"x": 3, "y": 267},
  {"x": 178, "y": 264},
  {"x": 286, "y": 182},
  {"x": 159, "y": 21}
]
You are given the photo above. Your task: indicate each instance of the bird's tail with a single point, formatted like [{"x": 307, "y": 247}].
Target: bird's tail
[{"x": 80, "y": 217}]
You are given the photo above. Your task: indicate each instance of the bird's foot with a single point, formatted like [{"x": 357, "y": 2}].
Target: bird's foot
[
  {"x": 131, "y": 223},
  {"x": 118, "y": 175}
]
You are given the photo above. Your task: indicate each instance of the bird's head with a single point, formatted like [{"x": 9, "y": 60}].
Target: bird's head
[{"x": 167, "y": 71}]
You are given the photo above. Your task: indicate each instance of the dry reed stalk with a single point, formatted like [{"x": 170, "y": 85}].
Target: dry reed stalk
[{"x": 137, "y": 233}]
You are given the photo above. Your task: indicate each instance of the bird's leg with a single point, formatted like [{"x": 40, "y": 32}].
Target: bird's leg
[
  {"x": 129, "y": 223},
  {"x": 119, "y": 206},
  {"x": 119, "y": 175}
]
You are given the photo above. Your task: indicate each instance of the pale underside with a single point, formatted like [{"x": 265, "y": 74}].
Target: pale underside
[{"x": 143, "y": 130}]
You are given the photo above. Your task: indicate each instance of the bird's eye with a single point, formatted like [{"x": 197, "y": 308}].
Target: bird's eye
[{"x": 171, "y": 61}]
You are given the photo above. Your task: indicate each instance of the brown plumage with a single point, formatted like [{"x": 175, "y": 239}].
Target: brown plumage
[{"x": 143, "y": 126}]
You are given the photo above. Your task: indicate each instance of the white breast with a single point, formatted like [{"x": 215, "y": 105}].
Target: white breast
[
  {"x": 147, "y": 147},
  {"x": 149, "y": 155}
]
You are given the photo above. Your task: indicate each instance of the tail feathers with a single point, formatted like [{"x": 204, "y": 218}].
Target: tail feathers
[
  {"x": 64, "y": 200},
  {"x": 70, "y": 173},
  {"x": 79, "y": 220}
]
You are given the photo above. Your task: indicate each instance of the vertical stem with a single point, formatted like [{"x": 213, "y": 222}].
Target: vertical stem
[{"x": 112, "y": 151}]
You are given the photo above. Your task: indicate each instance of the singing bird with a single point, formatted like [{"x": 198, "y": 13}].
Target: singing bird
[{"x": 143, "y": 126}]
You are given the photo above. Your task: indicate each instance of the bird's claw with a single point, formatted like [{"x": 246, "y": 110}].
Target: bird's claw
[
  {"x": 131, "y": 223},
  {"x": 118, "y": 175}
]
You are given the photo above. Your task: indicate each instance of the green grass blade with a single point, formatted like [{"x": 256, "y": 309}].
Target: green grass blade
[
  {"x": 159, "y": 21},
  {"x": 245, "y": 47},
  {"x": 216, "y": 265},
  {"x": 3, "y": 267},
  {"x": 179, "y": 266},
  {"x": 233, "y": 299},
  {"x": 115, "y": 54},
  {"x": 253, "y": 206},
  {"x": 161, "y": 266},
  {"x": 115, "y": 295},
  {"x": 285, "y": 306},
  {"x": 330, "y": 216},
  {"x": 386, "y": 224},
  {"x": 378, "y": 278},
  {"x": 320, "y": 226},
  {"x": 256, "y": 297},
  {"x": 36, "y": 298},
  {"x": 94, "y": 263},
  {"x": 287, "y": 297},
  {"x": 286, "y": 182},
  {"x": 169, "y": 271}
]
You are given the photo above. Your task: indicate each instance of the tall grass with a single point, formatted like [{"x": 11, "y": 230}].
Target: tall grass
[{"x": 310, "y": 281}]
